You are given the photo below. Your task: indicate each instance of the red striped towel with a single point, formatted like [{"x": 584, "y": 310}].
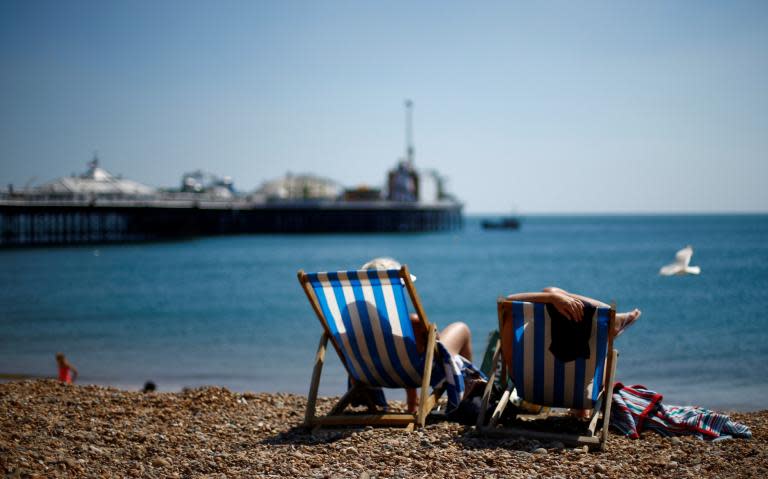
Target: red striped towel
[{"x": 637, "y": 408}]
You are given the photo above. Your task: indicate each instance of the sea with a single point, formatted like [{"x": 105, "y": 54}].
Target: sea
[{"x": 229, "y": 311}]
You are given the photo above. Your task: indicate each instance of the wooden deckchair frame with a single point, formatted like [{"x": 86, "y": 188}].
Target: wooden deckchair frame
[
  {"x": 336, "y": 416},
  {"x": 593, "y": 438}
]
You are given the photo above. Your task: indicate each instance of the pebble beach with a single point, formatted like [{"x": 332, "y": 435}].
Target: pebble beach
[{"x": 48, "y": 429}]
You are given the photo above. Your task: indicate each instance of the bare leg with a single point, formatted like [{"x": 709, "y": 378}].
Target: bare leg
[{"x": 457, "y": 339}]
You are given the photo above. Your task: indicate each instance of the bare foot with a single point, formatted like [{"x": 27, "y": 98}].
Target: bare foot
[{"x": 624, "y": 320}]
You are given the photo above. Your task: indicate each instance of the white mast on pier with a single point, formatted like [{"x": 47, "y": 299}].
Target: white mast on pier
[{"x": 409, "y": 150}]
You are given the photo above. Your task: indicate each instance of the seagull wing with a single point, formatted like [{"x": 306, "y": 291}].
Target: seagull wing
[
  {"x": 683, "y": 257},
  {"x": 670, "y": 269}
]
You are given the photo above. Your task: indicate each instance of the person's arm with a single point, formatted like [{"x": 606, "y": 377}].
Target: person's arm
[
  {"x": 594, "y": 302},
  {"x": 568, "y": 306}
]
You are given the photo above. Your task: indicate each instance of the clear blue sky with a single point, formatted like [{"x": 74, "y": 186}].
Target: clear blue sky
[{"x": 540, "y": 106}]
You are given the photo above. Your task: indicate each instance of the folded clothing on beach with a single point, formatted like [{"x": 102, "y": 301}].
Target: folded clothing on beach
[
  {"x": 637, "y": 408},
  {"x": 448, "y": 371}
]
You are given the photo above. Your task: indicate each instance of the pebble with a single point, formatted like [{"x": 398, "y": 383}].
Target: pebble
[
  {"x": 95, "y": 449},
  {"x": 50, "y": 430},
  {"x": 160, "y": 462}
]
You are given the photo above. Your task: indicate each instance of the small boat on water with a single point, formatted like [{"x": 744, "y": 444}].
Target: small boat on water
[{"x": 506, "y": 223}]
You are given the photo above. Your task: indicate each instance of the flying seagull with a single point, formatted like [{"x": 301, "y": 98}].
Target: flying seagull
[{"x": 680, "y": 266}]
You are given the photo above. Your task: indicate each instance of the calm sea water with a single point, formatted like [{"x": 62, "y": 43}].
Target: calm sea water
[{"x": 229, "y": 311}]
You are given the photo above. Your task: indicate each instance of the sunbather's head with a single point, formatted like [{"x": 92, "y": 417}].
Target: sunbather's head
[{"x": 384, "y": 263}]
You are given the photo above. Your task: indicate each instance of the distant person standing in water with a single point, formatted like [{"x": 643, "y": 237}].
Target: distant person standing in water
[{"x": 67, "y": 371}]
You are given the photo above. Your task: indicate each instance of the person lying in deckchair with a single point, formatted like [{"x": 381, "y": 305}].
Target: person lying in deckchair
[
  {"x": 572, "y": 305},
  {"x": 366, "y": 318},
  {"x": 456, "y": 337}
]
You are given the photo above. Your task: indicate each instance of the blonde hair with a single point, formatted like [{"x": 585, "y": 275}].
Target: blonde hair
[{"x": 382, "y": 263}]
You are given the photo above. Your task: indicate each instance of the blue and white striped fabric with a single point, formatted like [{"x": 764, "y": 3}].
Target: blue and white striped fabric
[
  {"x": 450, "y": 371},
  {"x": 447, "y": 371},
  {"x": 368, "y": 317},
  {"x": 541, "y": 378},
  {"x": 367, "y": 314}
]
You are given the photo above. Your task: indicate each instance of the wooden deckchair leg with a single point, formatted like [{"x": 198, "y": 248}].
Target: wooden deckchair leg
[
  {"x": 489, "y": 386},
  {"x": 608, "y": 399},
  {"x": 596, "y": 413},
  {"x": 309, "y": 416},
  {"x": 501, "y": 406},
  {"x": 423, "y": 403}
]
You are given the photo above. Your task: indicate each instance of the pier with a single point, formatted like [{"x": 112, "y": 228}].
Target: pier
[
  {"x": 26, "y": 222},
  {"x": 98, "y": 207}
]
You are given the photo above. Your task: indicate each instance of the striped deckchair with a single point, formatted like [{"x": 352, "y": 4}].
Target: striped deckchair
[
  {"x": 538, "y": 377},
  {"x": 365, "y": 316}
]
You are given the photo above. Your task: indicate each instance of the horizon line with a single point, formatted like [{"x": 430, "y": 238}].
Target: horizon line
[{"x": 625, "y": 213}]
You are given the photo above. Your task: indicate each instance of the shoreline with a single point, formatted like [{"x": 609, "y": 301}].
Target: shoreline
[{"x": 50, "y": 429}]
